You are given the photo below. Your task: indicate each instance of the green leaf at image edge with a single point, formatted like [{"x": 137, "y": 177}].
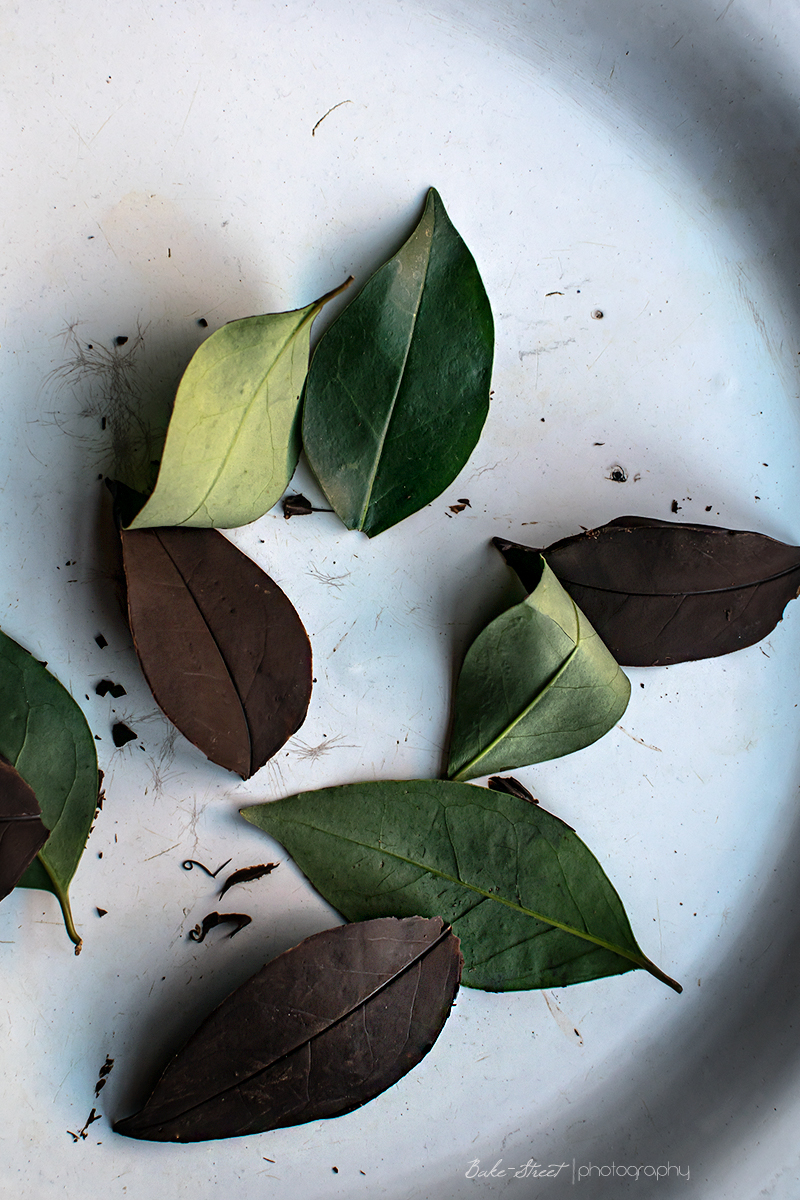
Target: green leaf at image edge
[
  {"x": 537, "y": 683},
  {"x": 398, "y": 388},
  {"x": 44, "y": 734},
  {"x": 233, "y": 439},
  {"x": 529, "y": 901}
]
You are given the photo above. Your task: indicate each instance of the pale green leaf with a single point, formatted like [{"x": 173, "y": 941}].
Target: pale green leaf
[{"x": 233, "y": 438}]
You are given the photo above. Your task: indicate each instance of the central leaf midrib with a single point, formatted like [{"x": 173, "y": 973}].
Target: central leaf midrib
[
  {"x": 248, "y": 408},
  {"x": 225, "y": 663},
  {"x": 640, "y": 961},
  {"x": 715, "y": 591},
  {"x": 400, "y": 376}
]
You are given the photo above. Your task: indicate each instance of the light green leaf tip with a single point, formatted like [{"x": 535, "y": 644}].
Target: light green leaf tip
[
  {"x": 536, "y": 684},
  {"x": 44, "y": 734},
  {"x": 233, "y": 439}
]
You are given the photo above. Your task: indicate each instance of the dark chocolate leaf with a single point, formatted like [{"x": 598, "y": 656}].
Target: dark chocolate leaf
[
  {"x": 222, "y": 647},
  {"x": 661, "y": 592},
  {"x": 530, "y": 903},
  {"x": 315, "y": 1033},
  {"x": 22, "y": 833},
  {"x": 44, "y": 735},
  {"x": 536, "y": 684},
  {"x": 247, "y": 875},
  {"x": 233, "y": 438},
  {"x": 398, "y": 388}
]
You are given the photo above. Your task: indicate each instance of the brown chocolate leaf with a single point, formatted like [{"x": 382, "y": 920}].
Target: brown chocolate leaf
[
  {"x": 222, "y": 647},
  {"x": 661, "y": 592},
  {"x": 22, "y": 831},
  {"x": 315, "y": 1033},
  {"x": 247, "y": 875}
]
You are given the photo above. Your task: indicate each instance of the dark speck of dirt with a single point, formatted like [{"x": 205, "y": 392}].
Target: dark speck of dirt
[
  {"x": 101, "y": 912},
  {"x": 121, "y": 340},
  {"x": 101, "y": 641},
  {"x": 203, "y": 323},
  {"x": 122, "y": 734},
  {"x": 618, "y": 474},
  {"x": 105, "y": 686},
  {"x": 597, "y": 314},
  {"x": 675, "y": 507},
  {"x": 708, "y": 508}
]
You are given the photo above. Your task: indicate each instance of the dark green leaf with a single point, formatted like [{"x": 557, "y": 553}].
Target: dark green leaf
[
  {"x": 233, "y": 437},
  {"x": 661, "y": 592},
  {"x": 222, "y": 647},
  {"x": 530, "y": 903},
  {"x": 398, "y": 388},
  {"x": 315, "y": 1033},
  {"x": 44, "y": 734},
  {"x": 536, "y": 684}
]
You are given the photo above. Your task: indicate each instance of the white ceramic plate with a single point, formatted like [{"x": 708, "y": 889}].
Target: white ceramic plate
[{"x": 168, "y": 164}]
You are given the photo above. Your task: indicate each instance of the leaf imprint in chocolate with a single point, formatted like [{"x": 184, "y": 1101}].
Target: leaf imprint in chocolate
[
  {"x": 315, "y": 1033},
  {"x": 222, "y": 647},
  {"x": 662, "y": 592}
]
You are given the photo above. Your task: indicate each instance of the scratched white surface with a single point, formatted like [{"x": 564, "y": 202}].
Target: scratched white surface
[{"x": 165, "y": 163}]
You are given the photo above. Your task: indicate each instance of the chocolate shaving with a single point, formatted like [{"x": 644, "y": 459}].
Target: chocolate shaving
[
  {"x": 189, "y": 864},
  {"x": 122, "y": 734},
  {"x": 247, "y": 875},
  {"x": 512, "y": 786},
  {"x": 213, "y": 919},
  {"x": 105, "y": 686}
]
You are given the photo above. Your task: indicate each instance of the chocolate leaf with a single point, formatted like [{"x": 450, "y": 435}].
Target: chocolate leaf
[
  {"x": 536, "y": 684},
  {"x": 315, "y": 1033},
  {"x": 22, "y": 833},
  {"x": 398, "y": 388},
  {"x": 661, "y": 592},
  {"x": 529, "y": 901},
  {"x": 222, "y": 647},
  {"x": 44, "y": 735},
  {"x": 233, "y": 437}
]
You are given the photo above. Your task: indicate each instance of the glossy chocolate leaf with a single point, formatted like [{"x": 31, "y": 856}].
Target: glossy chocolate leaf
[
  {"x": 44, "y": 735},
  {"x": 222, "y": 647},
  {"x": 233, "y": 437},
  {"x": 661, "y": 592},
  {"x": 315, "y": 1033},
  {"x": 536, "y": 684},
  {"x": 398, "y": 388},
  {"x": 22, "y": 833},
  {"x": 530, "y": 903}
]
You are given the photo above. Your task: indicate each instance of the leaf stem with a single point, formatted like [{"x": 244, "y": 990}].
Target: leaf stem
[{"x": 63, "y": 899}]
